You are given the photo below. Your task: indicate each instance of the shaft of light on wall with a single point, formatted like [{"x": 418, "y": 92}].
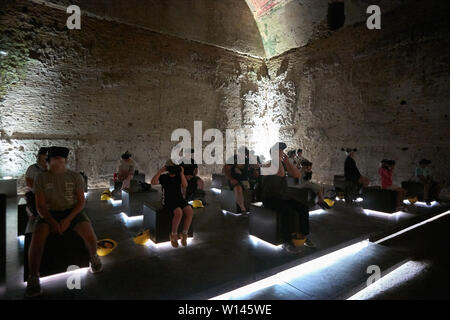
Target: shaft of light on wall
[{"x": 264, "y": 137}]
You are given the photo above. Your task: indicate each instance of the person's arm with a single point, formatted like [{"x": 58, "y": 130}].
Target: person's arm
[
  {"x": 65, "y": 223},
  {"x": 227, "y": 172},
  {"x": 290, "y": 168},
  {"x": 184, "y": 182},
  {"x": 196, "y": 172},
  {"x": 155, "y": 179},
  {"x": 29, "y": 182},
  {"x": 41, "y": 206}
]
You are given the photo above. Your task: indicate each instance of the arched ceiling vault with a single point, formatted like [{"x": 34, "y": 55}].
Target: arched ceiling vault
[{"x": 258, "y": 28}]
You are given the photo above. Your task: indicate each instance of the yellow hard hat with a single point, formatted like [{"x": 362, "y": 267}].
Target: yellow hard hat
[
  {"x": 106, "y": 195},
  {"x": 412, "y": 199},
  {"x": 142, "y": 237},
  {"x": 297, "y": 240},
  {"x": 197, "y": 204},
  {"x": 105, "y": 246},
  {"x": 329, "y": 202}
]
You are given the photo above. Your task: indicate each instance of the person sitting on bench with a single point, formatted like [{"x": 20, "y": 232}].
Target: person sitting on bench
[
  {"x": 237, "y": 175},
  {"x": 60, "y": 202},
  {"x": 299, "y": 158},
  {"x": 172, "y": 182},
  {"x": 194, "y": 190},
  {"x": 126, "y": 170},
  {"x": 386, "y": 171},
  {"x": 305, "y": 182},
  {"x": 30, "y": 176},
  {"x": 431, "y": 188},
  {"x": 275, "y": 196},
  {"x": 351, "y": 171}
]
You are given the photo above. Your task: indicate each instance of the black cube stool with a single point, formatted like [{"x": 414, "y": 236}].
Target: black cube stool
[
  {"x": 304, "y": 195},
  {"x": 291, "y": 181},
  {"x": 348, "y": 188},
  {"x": 377, "y": 199},
  {"x": 132, "y": 202},
  {"x": 219, "y": 181},
  {"x": 413, "y": 189},
  {"x": 2, "y": 239},
  {"x": 22, "y": 217},
  {"x": 265, "y": 224},
  {"x": 158, "y": 221},
  {"x": 61, "y": 251},
  {"x": 228, "y": 200}
]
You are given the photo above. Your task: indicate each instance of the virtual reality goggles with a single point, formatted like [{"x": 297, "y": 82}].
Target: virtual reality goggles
[
  {"x": 348, "y": 150},
  {"x": 126, "y": 155},
  {"x": 54, "y": 152}
]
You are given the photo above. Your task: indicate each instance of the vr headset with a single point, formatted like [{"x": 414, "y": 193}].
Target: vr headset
[{"x": 348, "y": 150}]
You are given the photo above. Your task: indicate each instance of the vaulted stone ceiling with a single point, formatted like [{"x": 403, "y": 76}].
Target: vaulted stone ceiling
[{"x": 260, "y": 28}]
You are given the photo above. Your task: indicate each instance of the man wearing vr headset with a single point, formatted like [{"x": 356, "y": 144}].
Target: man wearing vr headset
[
  {"x": 60, "y": 202},
  {"x": 172, "y": 183},
  {"x": 126, "y": 170},
  {"x": 351, "y": 171}
]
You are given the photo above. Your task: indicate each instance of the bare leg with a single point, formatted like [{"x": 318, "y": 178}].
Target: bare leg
[
  {"x": 188, "y": 214},
  {"x": 37, "y": 246},
  {"x": 126, "y": 182},
  {"x": 239, "y": 195},
  {"x": 177, "y": 215},
  {"x": 426, "y": 191},
  {"x": 200, "y": 184},
  {"x": 86, "y": 232}
]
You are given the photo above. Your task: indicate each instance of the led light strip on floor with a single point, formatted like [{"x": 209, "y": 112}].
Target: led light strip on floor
[
  {"x": 297, "y": 271},
  {"x": 395, "y": 278},
  {"x": 216, "y": 191},
  {"x": 131, "y": 219},
  {"x": 412, "y": 227},
  {"x": 257, "y": 241},
  {"x": 167, "y": 244},
  {"x": 58, "y": 276}
]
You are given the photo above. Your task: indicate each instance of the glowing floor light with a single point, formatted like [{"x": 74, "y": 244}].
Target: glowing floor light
[
  {"x": 62, "y": 275},
  {"x": 128, "y": 219},
  {"x": 216, "y": 191},
  {"x": 413, "y": 227},
  {"x": 396, "y": 278},
  {"x": 422, "y": 204},
  {"x": 259, "y": 242},
  {"x": 300, "y": 270},
  {"x": 115, "y": 203},
  {"x": 167, "y": 244},
  {"x": 318, "y": 211},
  {"x": 7, "y": 178},
  {"x": 369, "y": 212},
  {"x": 3, "y": 53}
]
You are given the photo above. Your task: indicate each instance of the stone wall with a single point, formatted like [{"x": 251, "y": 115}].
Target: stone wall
[
  {"x": 385, "y": 92},
  {"x": 105, "y": 89}
]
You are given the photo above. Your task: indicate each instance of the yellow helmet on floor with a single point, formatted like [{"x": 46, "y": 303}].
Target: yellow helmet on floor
[
  {"x": 412, "y": 199},
  {"x": 105, "y": 246},
  {"x": 142, "y": 237},
  {"x": 329, "y": 202},
  {"x": 197, "y": 204},
  {"x": 106, "y": 195}
]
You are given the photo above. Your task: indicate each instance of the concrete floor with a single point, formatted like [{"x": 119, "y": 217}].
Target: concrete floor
[{"x": 220, "y": 258}]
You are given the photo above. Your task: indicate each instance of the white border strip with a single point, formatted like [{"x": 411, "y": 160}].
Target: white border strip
[{"x": 412, "y": 227}]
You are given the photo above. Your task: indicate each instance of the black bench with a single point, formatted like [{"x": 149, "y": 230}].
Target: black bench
[
  {"x": 228, "y": 200},
  {"x": 61, "y": 251},
  {"x": 377, "y": 199},
  {"x": 158, "y": 221},
  {"x": 413, "y": 189},
  {"x": 265, "y": 224}
]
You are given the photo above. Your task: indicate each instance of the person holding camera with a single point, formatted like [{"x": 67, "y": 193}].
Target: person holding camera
[
  {"x": 386, "y": 172},
  {"x": 172, "y": 180}
]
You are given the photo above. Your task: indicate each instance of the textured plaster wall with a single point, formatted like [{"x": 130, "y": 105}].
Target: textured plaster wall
[
  {"x": 106, "y": 88},
  {"x": 384, "y": 92}
]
